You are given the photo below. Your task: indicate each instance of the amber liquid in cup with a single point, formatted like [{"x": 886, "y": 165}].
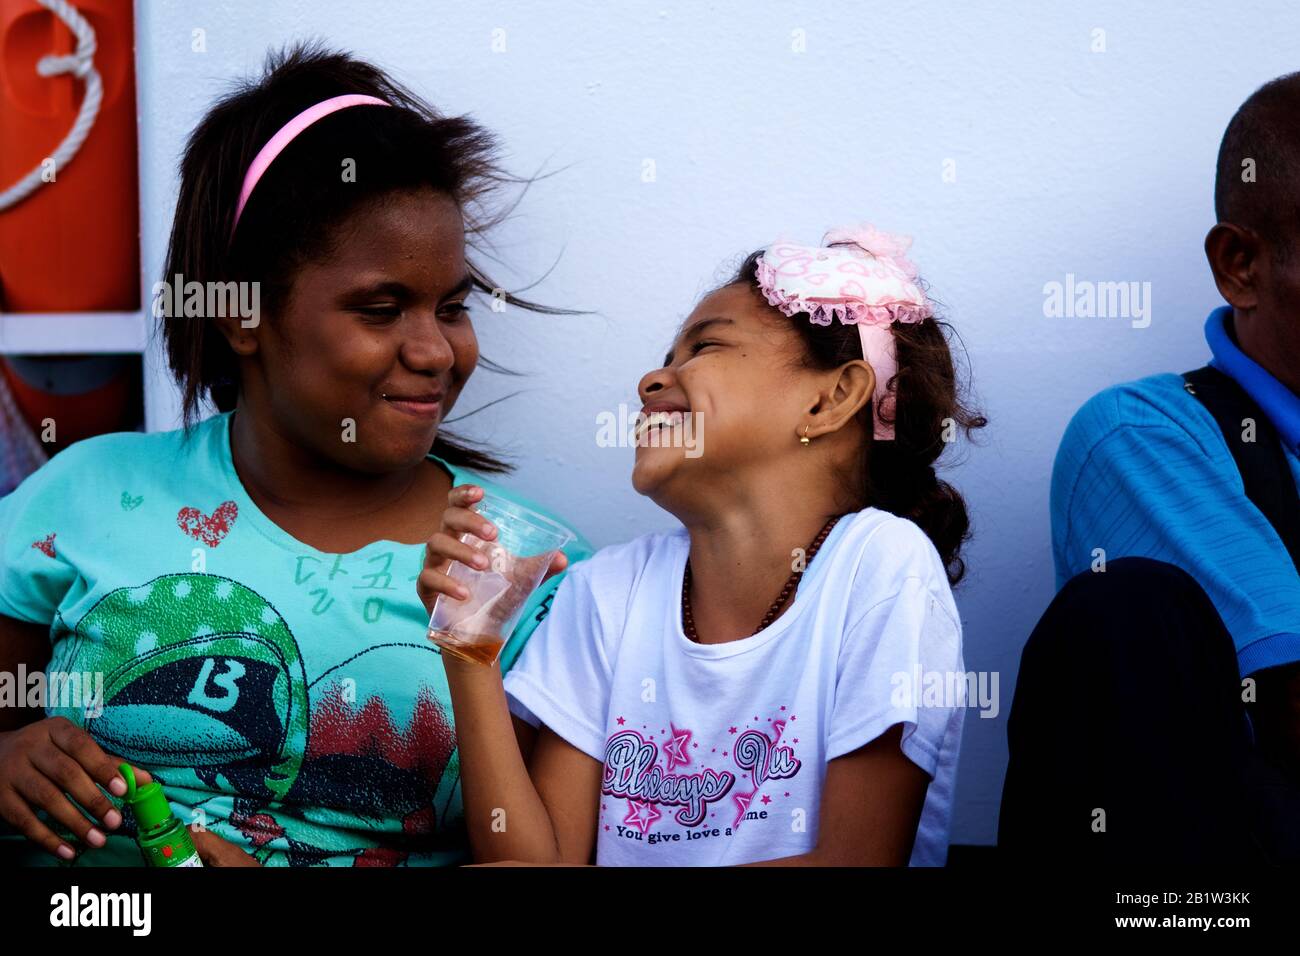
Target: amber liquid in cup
[
  {"x": 476, "y": 629},
  {"x": 475, "y": 648}
]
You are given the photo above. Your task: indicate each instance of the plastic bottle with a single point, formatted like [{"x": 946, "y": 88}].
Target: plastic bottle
[{"x": 163, "y": 839}]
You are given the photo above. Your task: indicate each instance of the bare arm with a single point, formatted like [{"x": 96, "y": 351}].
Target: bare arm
[
  {"x": 871, "y": 804},
  {"x": 525, "y": 737},
  {"x": 44, "y": 760},
  {"x": 542, "y": 812},
  {"x": 528, "y": 795}
]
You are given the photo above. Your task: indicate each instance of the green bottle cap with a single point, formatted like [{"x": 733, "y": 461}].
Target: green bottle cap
[{"x": 148, "y": 803}]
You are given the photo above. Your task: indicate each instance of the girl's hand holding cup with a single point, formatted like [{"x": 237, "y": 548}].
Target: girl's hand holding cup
[{"x": 479, "y": 569}]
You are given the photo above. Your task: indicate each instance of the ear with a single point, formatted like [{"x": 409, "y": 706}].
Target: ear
[
  {"x": 1236, "y": 255},
  {"x": 846, "y": 395},
  {"x": 243, "y": 340}
]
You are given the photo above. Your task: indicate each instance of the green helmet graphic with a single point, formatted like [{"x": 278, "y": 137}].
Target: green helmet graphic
[{"x": 199, "y": 672}]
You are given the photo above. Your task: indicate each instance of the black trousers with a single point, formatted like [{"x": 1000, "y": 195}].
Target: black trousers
[{"x": 1129, "y": 740}]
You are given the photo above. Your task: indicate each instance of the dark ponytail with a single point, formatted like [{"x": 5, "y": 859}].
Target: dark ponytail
[{"x": 929, "y": 412}]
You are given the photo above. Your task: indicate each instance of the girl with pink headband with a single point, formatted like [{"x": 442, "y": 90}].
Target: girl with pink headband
[
  {"x": 779, "y": 680},
  {"x": 247, "y": 581}
]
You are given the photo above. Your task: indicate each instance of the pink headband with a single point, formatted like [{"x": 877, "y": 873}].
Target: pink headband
[
  {"x": 285, "y": 135},
  {"x": 859, "y": 276}
]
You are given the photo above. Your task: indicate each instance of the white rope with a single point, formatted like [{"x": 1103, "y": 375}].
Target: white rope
[{"x": 82, "y": 65}]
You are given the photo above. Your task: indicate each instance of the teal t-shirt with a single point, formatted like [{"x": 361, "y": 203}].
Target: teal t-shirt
[{"x": 288, "y": 699}]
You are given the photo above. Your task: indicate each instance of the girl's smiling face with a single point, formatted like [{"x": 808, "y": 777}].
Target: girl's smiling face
[
  {"x": 731, "y": 371},
  {"x": 376, "y": 333}
]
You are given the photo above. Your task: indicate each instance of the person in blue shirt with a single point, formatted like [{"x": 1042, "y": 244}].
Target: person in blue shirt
[{"x": 1157, "y": 710}]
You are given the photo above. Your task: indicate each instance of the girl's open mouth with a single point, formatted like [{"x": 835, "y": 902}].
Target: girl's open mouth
[{"x": 671, "y": 419}]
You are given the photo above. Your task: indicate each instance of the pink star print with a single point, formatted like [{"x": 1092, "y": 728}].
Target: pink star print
[
  {"x": 675, "y": 749},
  {"x": 641, "y": 815},
  {"x": 742, "y": 803}
]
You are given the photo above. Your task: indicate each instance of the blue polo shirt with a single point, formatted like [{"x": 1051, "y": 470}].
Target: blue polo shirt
[{"x": 1143, "y": 470}]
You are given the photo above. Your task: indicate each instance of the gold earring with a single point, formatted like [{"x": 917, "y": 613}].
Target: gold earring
[{"x": 805, "y": 440}]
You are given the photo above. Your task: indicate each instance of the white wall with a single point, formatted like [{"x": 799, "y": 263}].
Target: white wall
[{"x": 1067, "y": 161}]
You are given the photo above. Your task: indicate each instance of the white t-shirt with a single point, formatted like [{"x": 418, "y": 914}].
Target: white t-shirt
[{"x": 715, "y": 754}]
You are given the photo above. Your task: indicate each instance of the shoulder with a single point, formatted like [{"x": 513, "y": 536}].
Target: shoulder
[
  {"x": 80, "y": 480},
  {"x": 98, "y": 449},
  {"x": 66, "y": 497},
  {"x": 881, "y": 538},
  {"x": 593, "y": 602},
  {"x": 599, "y": 592},
  {"x": 1157, "y": 401},
  {"x": 97, "y": 459},
  {"x": 616, "y": 569},
  {"x": 142, "y": 448},
  {"x": 1122, "y": 428},
  {"x": 890, "y": 557}
]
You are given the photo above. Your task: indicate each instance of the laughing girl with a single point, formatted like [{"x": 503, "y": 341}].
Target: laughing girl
[{"x": 767, "y": 682}]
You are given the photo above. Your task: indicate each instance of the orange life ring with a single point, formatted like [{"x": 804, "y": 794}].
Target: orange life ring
[{"x": 73, "y": 245}]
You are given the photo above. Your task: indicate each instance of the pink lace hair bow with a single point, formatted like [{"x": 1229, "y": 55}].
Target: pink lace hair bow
[{"x": 860, "y": 276}]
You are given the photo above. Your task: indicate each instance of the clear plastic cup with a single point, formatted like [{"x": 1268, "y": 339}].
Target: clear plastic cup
[{"x": 476, "y": 628}]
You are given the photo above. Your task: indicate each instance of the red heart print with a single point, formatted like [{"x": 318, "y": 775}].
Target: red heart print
[{"x": 210, "y": 529}]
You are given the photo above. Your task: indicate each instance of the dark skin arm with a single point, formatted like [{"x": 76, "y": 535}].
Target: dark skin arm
[{"x": 44, "y": 760}]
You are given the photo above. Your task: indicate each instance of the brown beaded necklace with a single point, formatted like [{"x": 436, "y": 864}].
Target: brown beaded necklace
[{"x": 688, "y": 621}]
